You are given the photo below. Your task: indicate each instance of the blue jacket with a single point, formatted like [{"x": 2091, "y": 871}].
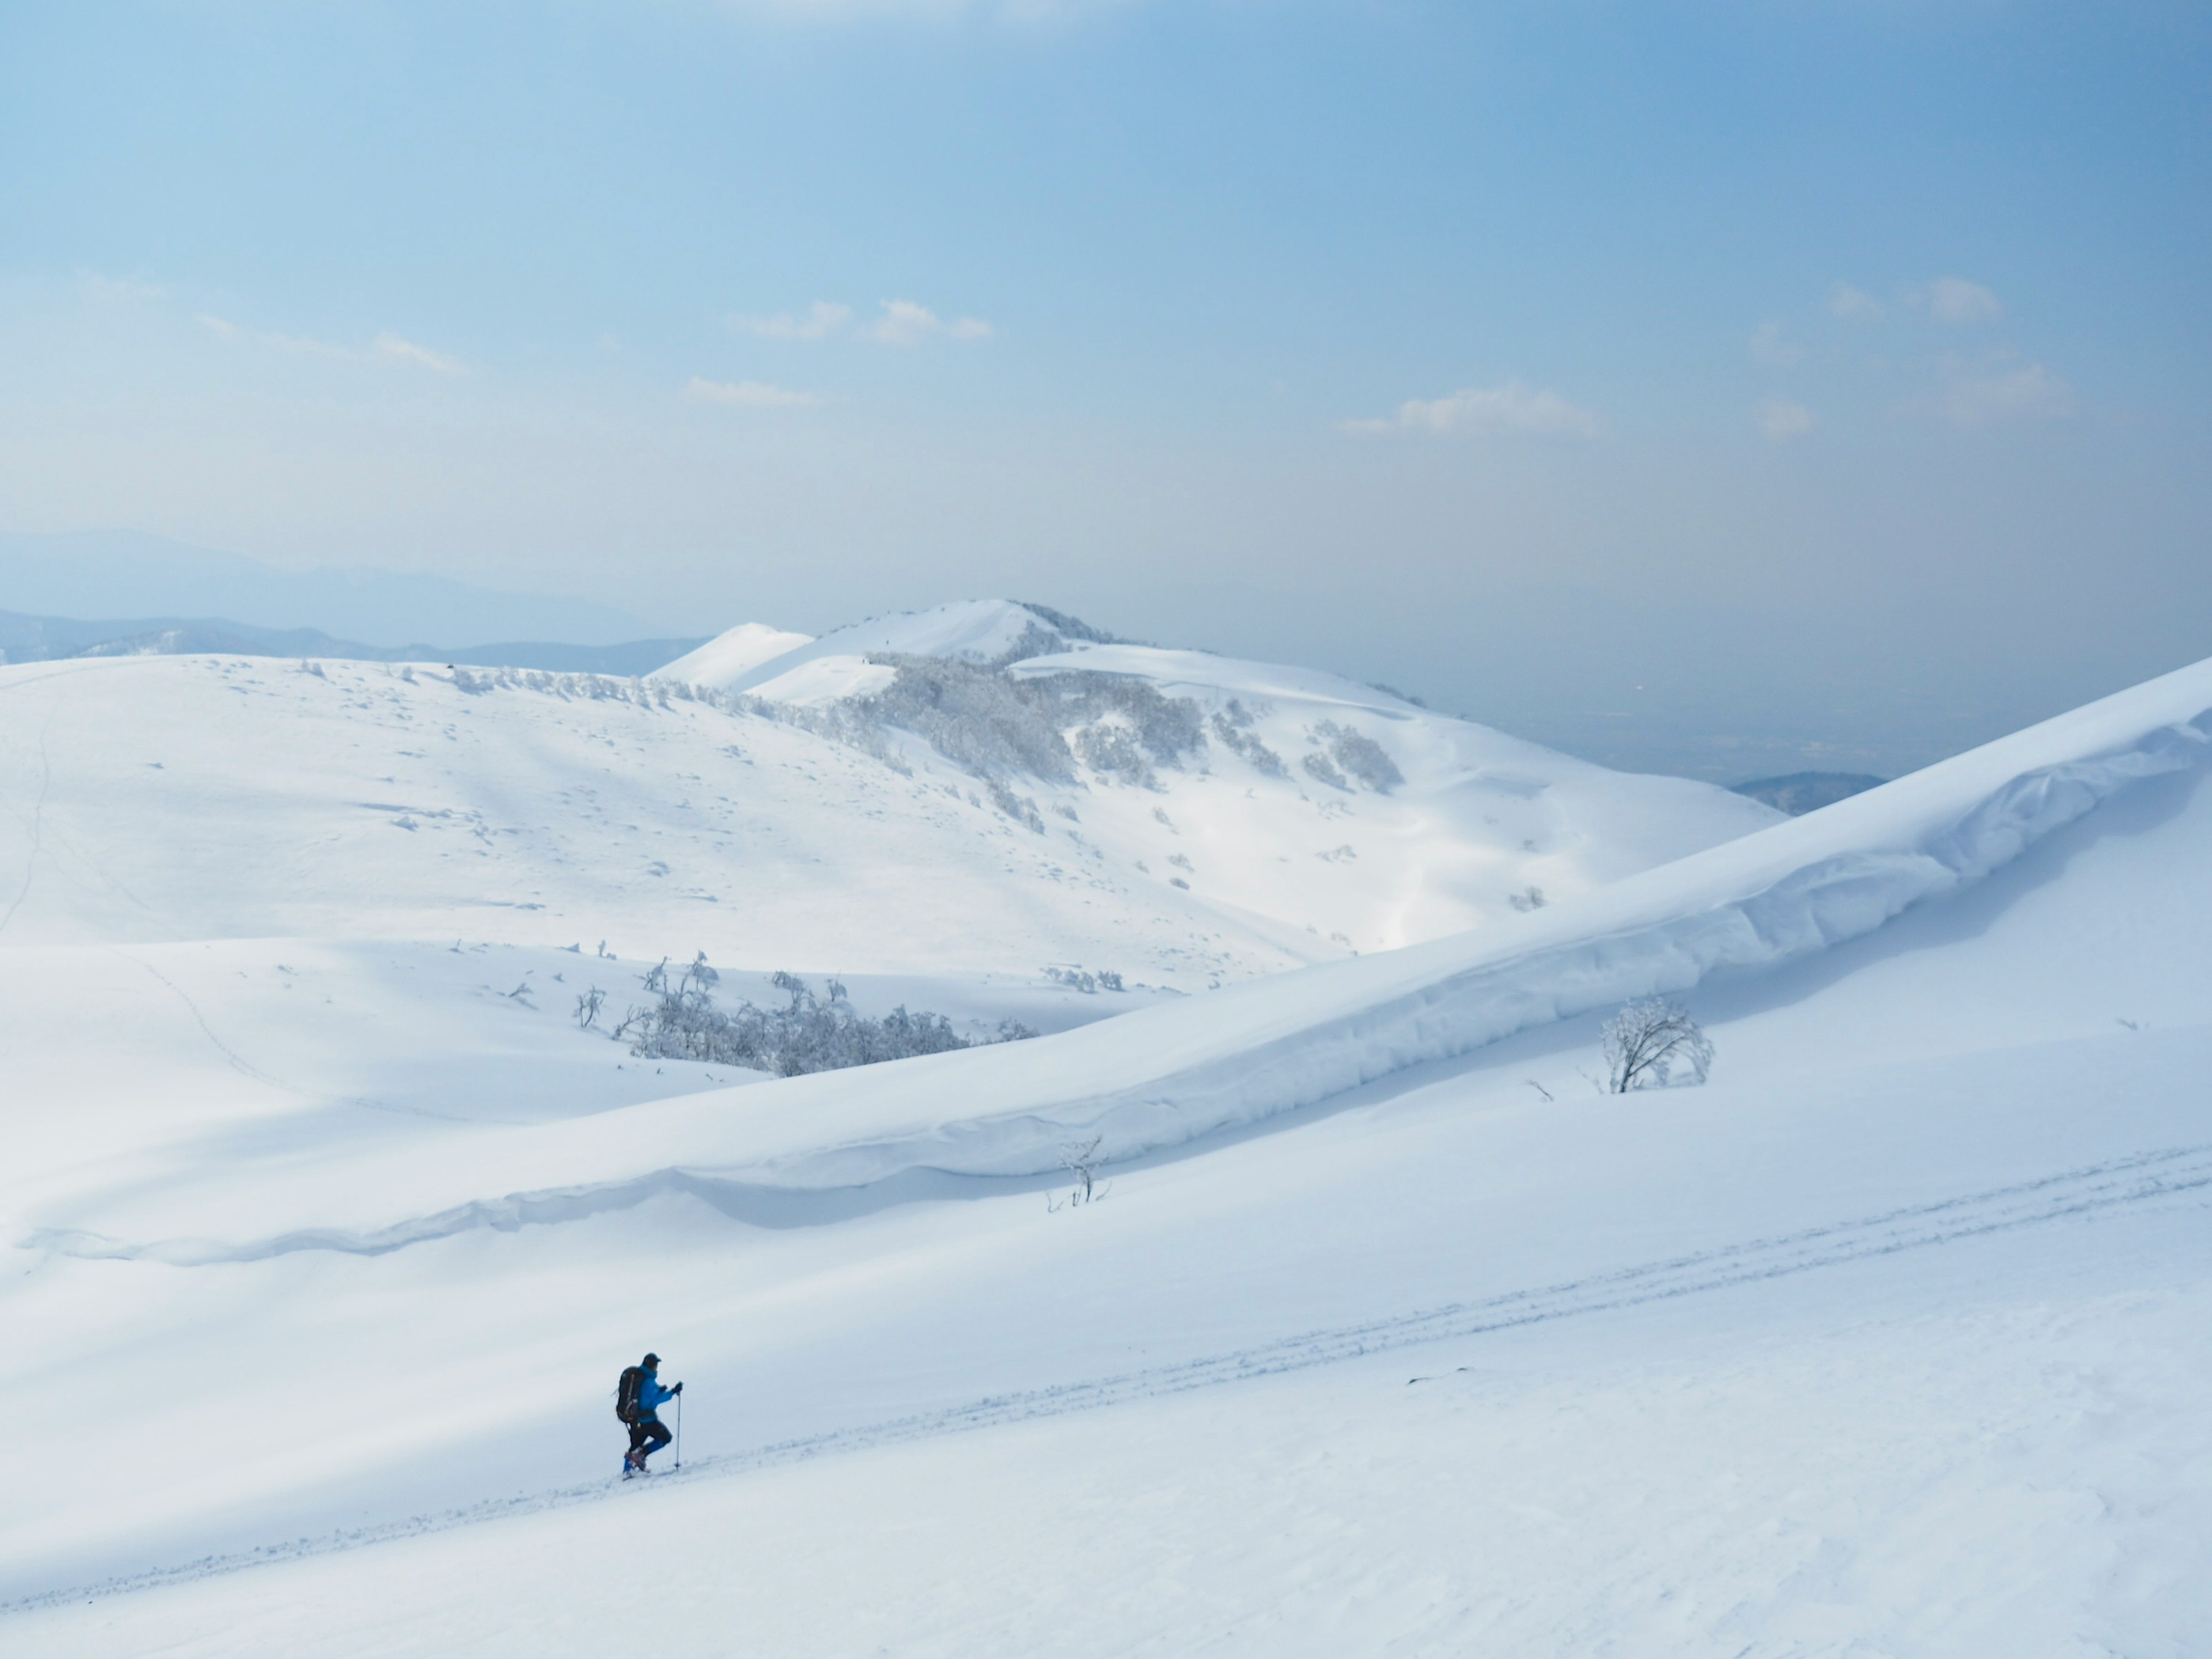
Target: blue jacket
[{"x": 651, "y": 1397}]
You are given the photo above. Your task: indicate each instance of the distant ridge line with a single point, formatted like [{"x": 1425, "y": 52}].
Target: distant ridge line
[{"x": 27, "y": 638}]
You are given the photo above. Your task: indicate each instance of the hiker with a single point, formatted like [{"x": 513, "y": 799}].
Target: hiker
[{"x": 638, "y": 1396}]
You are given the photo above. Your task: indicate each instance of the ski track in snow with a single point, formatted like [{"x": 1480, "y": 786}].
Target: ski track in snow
[{"x": 2067, "y": 1194}]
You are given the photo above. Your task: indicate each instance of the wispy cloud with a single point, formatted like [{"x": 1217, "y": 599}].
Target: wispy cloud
[
  {"x": 1955, "y": 299},
  {"x": 817, "y": 322},
  {"x": 298, "y": 345},
  {"x": 1770, "y": 348},
  {"x": 386, "y": 347},
  {"x": 391, "y": 345},
  {"x": 903, "y": 323},
  {"x": 1855, "y": 305},
  {"x": 98, "y": 287},
  {"x": 1781, "y": 420},
  {"x": 1510, "y": 408},
  {"x": 748, "y": 394},
  {"x": 1979, "y": 394}
]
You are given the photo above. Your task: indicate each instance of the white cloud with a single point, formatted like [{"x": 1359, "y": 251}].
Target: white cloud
[
  {"x": 1781, "y": 420},
  {"x": 817, "y": 322},
  {"x": 107, "y": 289},
  {"x": 903, "y": 323},
  {"x": 1511, "y": 408},
  {"x": 1769, "y": 347},
  {"x": 748, "y": 394},
  {"x": 1976, "y": 395},
  {"x": 299, "y": 345},
  {"x": 389, "y": 345},
  {"x": 1855, "y": 305},
  {"x": 1955, "y": 299}
]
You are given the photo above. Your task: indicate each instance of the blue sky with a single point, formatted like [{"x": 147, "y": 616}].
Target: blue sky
[{"x": 1527, "y": 353}]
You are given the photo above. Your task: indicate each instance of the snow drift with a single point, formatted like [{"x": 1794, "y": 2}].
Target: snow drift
[{"x": 1165, "y": 1076}]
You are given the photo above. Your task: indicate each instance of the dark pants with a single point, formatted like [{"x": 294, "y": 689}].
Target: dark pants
[{"x": 646, "y": 1438}]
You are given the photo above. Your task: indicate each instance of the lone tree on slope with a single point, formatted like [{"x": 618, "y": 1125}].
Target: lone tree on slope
[{"x": 1647, "y": 1040}]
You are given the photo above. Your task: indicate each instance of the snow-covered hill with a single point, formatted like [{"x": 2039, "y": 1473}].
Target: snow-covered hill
[
  {"x": 1889, "y": 1339},
  {"x": 200, "y": 798},
  {"x": 1322, "y": 815}
]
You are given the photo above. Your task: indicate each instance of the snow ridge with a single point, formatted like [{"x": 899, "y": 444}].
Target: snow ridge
[{"x": 1163, "y": 1077}]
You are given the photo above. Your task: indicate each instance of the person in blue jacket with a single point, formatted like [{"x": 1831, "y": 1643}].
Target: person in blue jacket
[{"x": 648, "y": 1433}]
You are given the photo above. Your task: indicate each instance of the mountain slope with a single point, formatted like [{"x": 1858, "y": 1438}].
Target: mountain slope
[
  {"x": 1160, "y": 1077},
  {"x": 1327, "y": 815},
  {"x": 1889, "y": 1339}
]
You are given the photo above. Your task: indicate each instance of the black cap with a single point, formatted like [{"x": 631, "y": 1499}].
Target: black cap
[{"x": 652, "y": 1359}]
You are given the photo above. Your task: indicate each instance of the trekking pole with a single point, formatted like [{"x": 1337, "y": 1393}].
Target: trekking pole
[{"x": 679, "y": 1431}]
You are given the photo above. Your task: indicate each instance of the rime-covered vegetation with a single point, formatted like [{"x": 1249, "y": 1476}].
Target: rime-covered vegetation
[
  {"x": 1233, "y": 727},
  {"x": 1359, "y": 756},
  {"x": 807, "y": 1034},
  {"x": 1054, "y": 727},
  {"x": 991, "y": 723}
]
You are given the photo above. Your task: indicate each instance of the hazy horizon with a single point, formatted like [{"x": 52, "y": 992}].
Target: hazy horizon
[{"x": 1717, "y": 390}]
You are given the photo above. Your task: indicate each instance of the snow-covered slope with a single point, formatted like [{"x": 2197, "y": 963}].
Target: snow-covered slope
[
  {"x": 214, "y": 797},
  {"x": 1888, "y": 1339},
  {"x": 1161, "y": 1078},
  {"x": 1325, "y": 816},
  {"x": 731, "y": 654},
  {"x": 977, "y": 631}
]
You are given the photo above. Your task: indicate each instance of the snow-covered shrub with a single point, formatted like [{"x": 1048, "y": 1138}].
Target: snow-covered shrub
[
  {"x": 1166, "y": 728},
  {"x": 1361, "y": 756},
  {"x": 1081, "y": 1159},
  {"x": 1322, "y": 770},
  {"x": 1233, "y": 725},
  {"x": 1072, "y": 628},
  {"x": 807, "y": 1034},
  {"x": 1020, "y": 808},
  {"x": 1112, "y": 750},
  {"x": 1084, "y": 980},
  {"x": 1647, "y": 1040},
  {"x": 983, "y": 722}
]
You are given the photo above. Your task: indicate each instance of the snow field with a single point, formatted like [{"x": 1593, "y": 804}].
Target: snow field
[
  {"x": 1436, "y": 1208},
  {"x": 1172, "y": 1075},
  {"x": 2005, "y": 1455},
  {"x": 1889, "y": 1341}
]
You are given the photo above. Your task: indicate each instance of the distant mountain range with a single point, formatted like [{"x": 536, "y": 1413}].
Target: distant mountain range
[
  {"x": 1799, "y": 793},
  {"x": 43, "y": 639},
  {"x": 109, "y": 573}
]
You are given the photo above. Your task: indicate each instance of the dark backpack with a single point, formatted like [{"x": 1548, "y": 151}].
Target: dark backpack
[{"x": 626, "y": 1392}]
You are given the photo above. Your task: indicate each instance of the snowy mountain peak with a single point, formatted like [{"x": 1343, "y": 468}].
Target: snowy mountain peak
[
  {"x": 731, "y": 654},
  {"x": 983, "y": 633}
]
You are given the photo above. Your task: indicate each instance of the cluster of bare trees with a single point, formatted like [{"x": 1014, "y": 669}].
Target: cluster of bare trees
[{"x": 808, "y": 1033}]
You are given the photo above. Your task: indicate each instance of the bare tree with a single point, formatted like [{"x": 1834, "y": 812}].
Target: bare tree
[
  {"x": 1081, "y": 1159},
  {"x": 588, "y": 1005},
  {"x": 1647, "y": 1041}
]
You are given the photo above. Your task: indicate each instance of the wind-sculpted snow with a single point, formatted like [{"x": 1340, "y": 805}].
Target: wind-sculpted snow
[
  {"x": 2115, "y": 1185},
  {"x": 1163, "y": 1077}
]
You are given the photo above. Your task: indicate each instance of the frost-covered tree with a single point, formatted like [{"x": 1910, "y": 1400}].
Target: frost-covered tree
[
  {"x": 809, "y": 1033},
  {"x": 1647, "y": 1041},
  {"x": 1081, "y": 1159}
]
